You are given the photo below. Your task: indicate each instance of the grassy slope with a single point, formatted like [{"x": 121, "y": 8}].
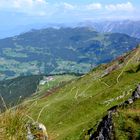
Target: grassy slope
[
  {"x": 127, "y": 122},
  {"x": 16, "y": 118},
  {"x": 16, "y": 90},
  {"x": 79, "y": 105},
  {"x": 58, "y": 80}
]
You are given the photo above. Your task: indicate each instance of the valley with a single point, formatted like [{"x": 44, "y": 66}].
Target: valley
[{"x": 56, "y": 51}]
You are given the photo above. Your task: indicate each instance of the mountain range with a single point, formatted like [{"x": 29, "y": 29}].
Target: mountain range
[
  {"x": 131, "y": 28},
  {"x": 64, "y": 50}
]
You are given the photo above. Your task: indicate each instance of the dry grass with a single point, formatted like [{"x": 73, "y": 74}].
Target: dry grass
[{"x": 13, "y": 124}]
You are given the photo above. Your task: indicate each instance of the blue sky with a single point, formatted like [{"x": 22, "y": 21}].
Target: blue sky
[
  {"x": 64, "y": 10},
  {"x": 15, "y": 13},
  {"x": 94, "y": 1},
  {"x": 52, "y": 10}
]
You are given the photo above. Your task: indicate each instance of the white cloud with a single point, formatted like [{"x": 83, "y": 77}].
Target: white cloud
[
  {"x": 122, "y": 7},
  {"x": 21, "y": 3},
  {"x": 66, "y": 10},
  {"x": 94, "y": 6},
  {"x": 68, "y": 6},
  {"x": 26, "y": 6},
  {"x": 35, "y": 7}
]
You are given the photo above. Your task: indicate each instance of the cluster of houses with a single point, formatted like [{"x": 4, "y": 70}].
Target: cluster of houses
[{"x": 46, "y": 79}]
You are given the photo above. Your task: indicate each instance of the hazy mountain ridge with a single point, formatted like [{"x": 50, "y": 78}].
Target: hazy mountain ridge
[{"x": 128, "y": 27}]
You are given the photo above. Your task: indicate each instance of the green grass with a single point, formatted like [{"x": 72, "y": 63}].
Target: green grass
[
  {"x": 80, "y": 105},
  {"x": 127, "y": 122},
  {"x": 68, "y": 115},
  {"x": 58, "y": 80}
]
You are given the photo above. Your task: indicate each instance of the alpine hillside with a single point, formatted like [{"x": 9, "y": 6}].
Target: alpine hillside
[{"x": 75, "y": 110}]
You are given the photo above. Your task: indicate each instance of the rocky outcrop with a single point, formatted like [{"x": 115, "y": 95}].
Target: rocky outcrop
[
  {"x": 105, "y": 128},
  {"x": 36, "y": 131}
]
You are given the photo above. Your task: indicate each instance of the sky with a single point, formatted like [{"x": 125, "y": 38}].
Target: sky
[
  {"x": 16, "y": 13},
  {"x": 68, "y": 10}
]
